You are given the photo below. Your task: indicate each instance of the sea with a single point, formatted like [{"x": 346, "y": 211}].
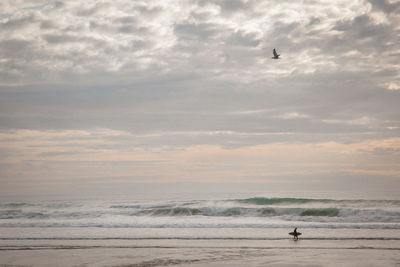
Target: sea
[{"x": 229, "y": 229}]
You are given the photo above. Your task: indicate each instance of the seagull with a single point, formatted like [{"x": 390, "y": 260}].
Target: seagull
[{"x": 276, "y": 55}]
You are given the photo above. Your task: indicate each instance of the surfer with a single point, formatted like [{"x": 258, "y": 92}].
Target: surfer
[{"x": 295, "y": 234}]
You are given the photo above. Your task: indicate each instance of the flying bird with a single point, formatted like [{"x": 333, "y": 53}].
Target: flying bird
[{"x": 276, "y": 55}]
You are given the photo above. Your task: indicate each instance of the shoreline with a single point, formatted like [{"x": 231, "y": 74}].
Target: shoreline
[{"x": 151, "y": 256}]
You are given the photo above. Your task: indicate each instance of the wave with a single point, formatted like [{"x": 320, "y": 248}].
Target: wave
[
  {"x": 177, "y": 211},
  {"x": 293, "y": 201},
  {"x": 20, "y": 214},
  {"x": 149, "y": 205},
  {"x": 199, "y": 225},
  {"x": 14, "y": 214},
  {"x": 331, "y": 212},
  {"x": 271, "y": 201},
  {"x": 16, "y": 205},
  {"x": 240, "y": 211}
]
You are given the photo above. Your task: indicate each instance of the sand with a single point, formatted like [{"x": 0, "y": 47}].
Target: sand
[{"x": 151, "y": 256}]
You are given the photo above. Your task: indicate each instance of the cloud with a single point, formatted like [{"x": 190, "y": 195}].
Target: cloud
[
  {"x": 158, "y": 36},
  {"x": 393, "y": 86},
  {"x": 196, "y": 74},
  {"x": 359, "y": 121},
  {"x": 243, "y": 39},
  {"x": 200, "y": 32},
  {"x": 366, "y": 35},
  {"x": 386, "y": 6},
  {"x": 292, "y": 115},
  {"x": 92, "y": 155}
]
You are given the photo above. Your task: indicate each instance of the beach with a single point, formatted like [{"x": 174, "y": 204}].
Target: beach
[
  {"x": 191, "y": 256},
  {"x": 234, "y": 230}
]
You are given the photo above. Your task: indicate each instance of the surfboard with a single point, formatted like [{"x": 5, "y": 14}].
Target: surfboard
[{"x": 292, "y": 233}]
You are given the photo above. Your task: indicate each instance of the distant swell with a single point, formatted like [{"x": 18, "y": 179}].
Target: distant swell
[
  {"x": 271, "y": 201},
  {"x": 239, "y": 211},
  {"x": 16, "y": 205}
]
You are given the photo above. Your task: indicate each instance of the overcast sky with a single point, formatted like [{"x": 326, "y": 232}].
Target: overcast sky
[{"x": 94, "y": 93}]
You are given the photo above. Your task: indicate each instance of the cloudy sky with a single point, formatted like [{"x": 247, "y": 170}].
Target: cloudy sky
[{"x": 122, "y": 92}]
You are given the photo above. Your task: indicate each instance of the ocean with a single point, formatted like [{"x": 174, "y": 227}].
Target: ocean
[{"x": 200, "y": 230}]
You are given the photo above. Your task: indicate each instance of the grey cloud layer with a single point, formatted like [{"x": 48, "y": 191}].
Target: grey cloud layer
[{"x": 199, "y": 66}]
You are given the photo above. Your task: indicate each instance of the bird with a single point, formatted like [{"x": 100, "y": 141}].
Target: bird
[{"x": 276, "y": 55}]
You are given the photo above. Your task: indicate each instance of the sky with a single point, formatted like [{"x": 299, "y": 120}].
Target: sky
[{"x": 117, "y": 94}]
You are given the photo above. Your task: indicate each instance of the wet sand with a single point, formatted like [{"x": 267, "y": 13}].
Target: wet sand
[{"x": 151, "y": 256}]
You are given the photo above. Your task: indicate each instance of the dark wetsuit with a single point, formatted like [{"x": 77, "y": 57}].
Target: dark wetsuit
[{"x": 295, "y": 236}]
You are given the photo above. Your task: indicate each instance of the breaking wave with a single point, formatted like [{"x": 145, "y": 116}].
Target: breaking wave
[
  {"x": 239, "y": 211},
  {"x": 271, "y": 201},
  {"x": 256, "y": 211}
]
